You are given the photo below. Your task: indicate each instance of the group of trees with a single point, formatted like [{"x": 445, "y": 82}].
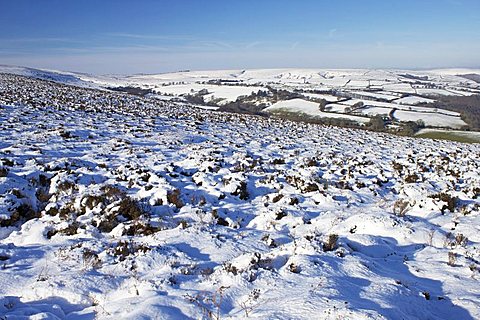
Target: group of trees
[
  {"x": 133, "y": 90},
  {"x": 467, "y": 106}
]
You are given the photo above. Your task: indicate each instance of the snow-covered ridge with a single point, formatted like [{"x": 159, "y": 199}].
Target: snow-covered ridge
[
  {"x": 50, "y": 75},
  {"x": 257, "y": 75},
  {"x": 123, "y": 207}
]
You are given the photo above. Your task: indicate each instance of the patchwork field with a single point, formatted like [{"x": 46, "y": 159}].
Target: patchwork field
[{"x": 380, "y": 92}]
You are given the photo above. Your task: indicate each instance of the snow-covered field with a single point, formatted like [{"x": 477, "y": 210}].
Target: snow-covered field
[
  {"x": 412, "y": 100},
  {"x": 430, "y": 119},
  {"x": 225, "y": 93},
  {"x": 118, "y": 207},
  {"x": 310, "y": 108}
]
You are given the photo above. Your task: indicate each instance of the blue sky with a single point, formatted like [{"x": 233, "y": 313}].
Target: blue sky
[{"x": 146, "y": 36}]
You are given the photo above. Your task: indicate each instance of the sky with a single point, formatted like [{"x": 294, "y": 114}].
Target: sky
[{"x": 147, "y": 36}]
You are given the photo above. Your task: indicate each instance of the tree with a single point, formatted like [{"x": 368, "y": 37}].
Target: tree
[
  {"x": 357, "y": 105},
  {"x": 377, "y": 123},
  {"x": 420, "y": 124},
  {"x": 322, "y": 104}
]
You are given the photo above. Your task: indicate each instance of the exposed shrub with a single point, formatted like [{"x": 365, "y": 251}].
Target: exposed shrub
[
  {"x": 209, "y": 303},
  {"x": 183, "y": 224},
  {"x": 461, "y": 240},
  {"x": 113, "y": 192},
  {"x": 17, "y": 193},
  {"x": 294, "y": 268},
  {"x": 125, "y": 248},
  {"x": 91, "y": 259},
  {"x": 277, "y": 198},
  {"x": 311, "y": 162},
  {"x": 398, "y": 167},
  {"x": 401, "y": 207},
  {"x": 222, "y": 222},
  {"x": 230, "y": 268},
  {"x": 174, "y": 198},
  {"x": 241, "y": 191},
  {"x": 52, "y": 211},
  {"x": 302, "y": 185},
  {"x": 7, "y": 162},
  {"x": 108, "y": 223},
  {"x": 22, "y": 213},
  {"x": 476, "y": 192},
  {"x": 451, "y": 202},
  {"x": 71, "y": 230},
  {"x": 66, "y": 211},
  {"x": 269, "y": 241},
  {"x": 412, "y": 178},
  {"x": 130, "y": 209},
  {"x": 42, "y": 195},
  {"x": 280, "y": 214},
  {"x": 66, "y": 186},
  {"x": 293, "y": 201},
  {"x": 310, "y": 187},
  {"x": 43, "y": 180},
  {"x": 141, "y": 229},
  {"x": 331, "y": 243},
  {"x": 452, "y": 259},
  {"x": 278, "y": 161},
  {"x": 3, "y": 172},
  {"x": 91, "y": 201},
  {"x": 65, "y": 134},
  {"x": 426, "y": 295}
]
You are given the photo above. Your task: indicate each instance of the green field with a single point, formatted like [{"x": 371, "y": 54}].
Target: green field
[{"x": 462, "y": 136}]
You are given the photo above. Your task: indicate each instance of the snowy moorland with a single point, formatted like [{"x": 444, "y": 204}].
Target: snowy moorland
[
  {"x": 355, "y": 95},
  {"x": 114, "y": 206}
]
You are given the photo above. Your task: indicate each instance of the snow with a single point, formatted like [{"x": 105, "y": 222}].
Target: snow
[
  {"x": 435, "y": 92},
  {"x": 310, "y": 108},
  {"x": 377, "y": 95},
  {"x": 239, "y": 213},
  {"x": 399, "y": 87},
  {"x": 430, "y": 119},
  {"x": 227, "y": 93},
  {"x": 326, "y": 97},
  {"x": 412, "y": 100},
  {"x": 454, "y": 72},
  {"x": 336, "y": 107},
  {"x": 372, "y": 111},
  {"x": 430, "y": 116}
]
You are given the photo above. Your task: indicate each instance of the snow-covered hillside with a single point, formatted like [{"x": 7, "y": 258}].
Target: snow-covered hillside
[
  {"x": 51, "y": 75},
  {"x": 390, "y": 89},
  {"x": 121, "y": 207}
]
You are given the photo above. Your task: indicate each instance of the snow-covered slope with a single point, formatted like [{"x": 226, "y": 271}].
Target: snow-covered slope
[
  {"x": 119, "y": 207},
  {"x": 391, "y": 88},
  {"x": 71, "y": 78}
]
